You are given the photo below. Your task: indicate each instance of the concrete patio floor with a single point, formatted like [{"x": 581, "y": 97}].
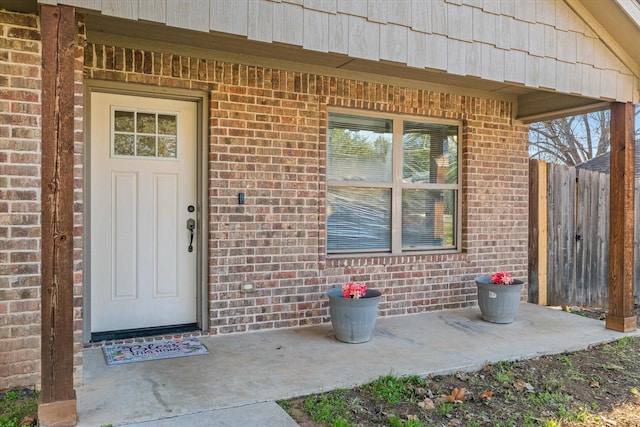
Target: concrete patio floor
[{"x": 237, "y": 383}]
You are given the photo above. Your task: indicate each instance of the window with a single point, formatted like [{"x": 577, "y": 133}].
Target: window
[
  {"x": 143, "y": 134},
  {"x": 393, "y": 185}
]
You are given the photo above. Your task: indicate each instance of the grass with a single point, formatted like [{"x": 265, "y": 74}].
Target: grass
[
  {"x": 328, "y": 408},
  {"x": 392, "y": 390},
  {"x": 587, "y": 388},
  {"x": 18, "y": 408}
]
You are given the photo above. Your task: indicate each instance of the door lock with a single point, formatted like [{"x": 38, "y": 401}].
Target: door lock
[{"x": 191, "y": 225}]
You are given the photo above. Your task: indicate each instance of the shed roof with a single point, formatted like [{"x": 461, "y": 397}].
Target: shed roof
[{"x": 602, "y": 163}]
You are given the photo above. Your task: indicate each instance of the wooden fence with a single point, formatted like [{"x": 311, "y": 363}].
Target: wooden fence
[{"x": 569, "y": 236}]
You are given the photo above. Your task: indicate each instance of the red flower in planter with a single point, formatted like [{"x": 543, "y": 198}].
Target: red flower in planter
[
  {"x": 354, "y": 290},
  {"x": 502, "y": 278}
]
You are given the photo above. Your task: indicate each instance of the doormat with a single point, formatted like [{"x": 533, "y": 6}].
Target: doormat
[{"x": 139, "y": 352}]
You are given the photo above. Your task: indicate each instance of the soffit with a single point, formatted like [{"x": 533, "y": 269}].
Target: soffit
[{"x": 24, "y": 6}]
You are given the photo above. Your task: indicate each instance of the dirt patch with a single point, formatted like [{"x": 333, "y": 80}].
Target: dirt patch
[{"x": 599, "y": 386}]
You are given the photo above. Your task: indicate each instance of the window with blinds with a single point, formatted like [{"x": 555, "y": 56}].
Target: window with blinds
[{"x": 393, "y": 184}]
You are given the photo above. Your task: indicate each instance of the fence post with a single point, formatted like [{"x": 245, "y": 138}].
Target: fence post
[
  {"x": 543, "y": 230},
  {"x": 537, "y": 286},
  {"x": 534, "y": 191}
]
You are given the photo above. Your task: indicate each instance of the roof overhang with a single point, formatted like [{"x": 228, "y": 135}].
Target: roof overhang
[
  {"x": 533, "y": 104},
  {"x": 617, "y": 21}
]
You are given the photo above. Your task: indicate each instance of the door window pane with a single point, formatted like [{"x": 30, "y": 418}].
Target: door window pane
[
  {"x": 145, "y": 123},
  {"x": 167, "y": 146},
  {"x": 146, "y": 146},
  {"x": 123, "y": 121},
  {"x": 123, "y": 145},
  {"x": 167, "y": 124}
]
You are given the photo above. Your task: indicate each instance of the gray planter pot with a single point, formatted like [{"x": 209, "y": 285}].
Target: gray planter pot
[
  {"x": 353, "y": 320},
  {"x": 498, "y": 303}
]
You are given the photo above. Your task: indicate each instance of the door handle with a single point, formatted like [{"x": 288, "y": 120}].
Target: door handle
[{"x": 191, "y": 225}]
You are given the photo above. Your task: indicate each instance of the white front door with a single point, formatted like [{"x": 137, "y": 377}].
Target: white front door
[{"x": 143, "y": 196}]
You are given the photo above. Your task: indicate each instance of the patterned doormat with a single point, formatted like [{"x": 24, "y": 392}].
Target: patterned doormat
[{"x": 140, "y": 352}]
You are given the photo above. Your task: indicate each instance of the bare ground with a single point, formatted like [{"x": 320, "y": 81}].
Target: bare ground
[{"x": 599, "y": 386}]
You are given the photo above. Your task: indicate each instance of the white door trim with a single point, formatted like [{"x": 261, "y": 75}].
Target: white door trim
[{"x": 200, "y": 98}]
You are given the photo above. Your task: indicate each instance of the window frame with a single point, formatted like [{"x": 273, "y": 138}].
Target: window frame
[
  {"x": 115, "y": 108},
  {"x": 397, "y": 185}
]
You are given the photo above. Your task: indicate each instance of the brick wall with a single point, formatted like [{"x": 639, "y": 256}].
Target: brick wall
[
  {"x": 268, "y": 130},
  {"x": 19, "y": 200}
]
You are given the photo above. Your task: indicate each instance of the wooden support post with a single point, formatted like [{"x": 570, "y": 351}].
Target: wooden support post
[
  {"x": 57, "y": 397},
  {"x": 621, "y": 264}
]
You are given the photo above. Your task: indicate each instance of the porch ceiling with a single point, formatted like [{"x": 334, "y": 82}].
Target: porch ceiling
[
  {"x": 24, "y": 6},
  {"x": 532, "y": 104}
]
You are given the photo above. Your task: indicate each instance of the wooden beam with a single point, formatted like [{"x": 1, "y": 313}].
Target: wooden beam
[
  {"x": 621, "y": 263},
  {"x": 57, "y": 397}
]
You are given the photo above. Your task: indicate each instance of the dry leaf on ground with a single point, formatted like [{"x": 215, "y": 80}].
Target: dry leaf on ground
[
  {"x": 457, "y": 395},
  {"x": 427, "y": 404},
  {"x": 486, "y": 395},
  {"x": 521, "y": 386}
]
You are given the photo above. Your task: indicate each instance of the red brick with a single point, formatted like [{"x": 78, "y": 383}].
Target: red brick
[
  {"x": 23, "y": 58},
  {"x": 23, "y": 33},
  {"x": 20, "y": 95}
]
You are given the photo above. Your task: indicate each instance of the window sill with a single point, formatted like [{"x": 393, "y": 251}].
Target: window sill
[{"x": 421, "y": 254}]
